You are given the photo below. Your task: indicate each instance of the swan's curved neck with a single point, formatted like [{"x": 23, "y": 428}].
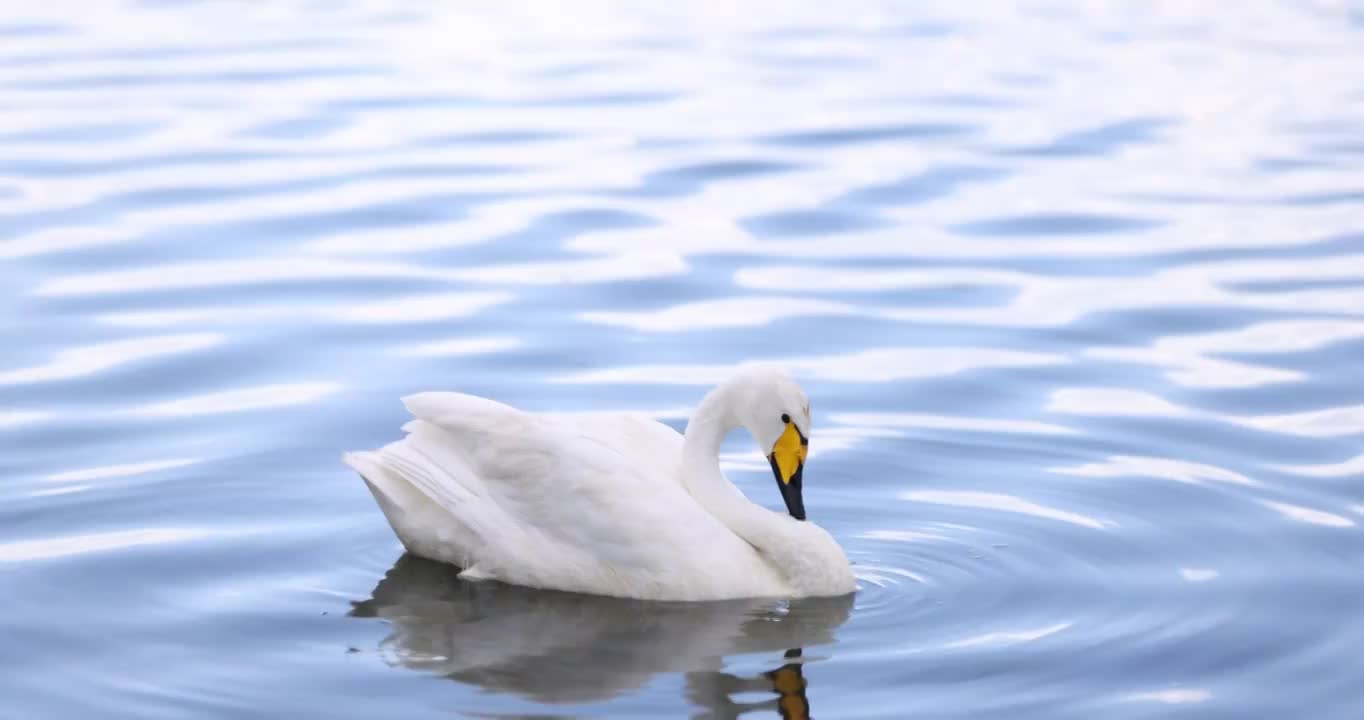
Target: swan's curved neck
[{"x": 710, "y": 423}]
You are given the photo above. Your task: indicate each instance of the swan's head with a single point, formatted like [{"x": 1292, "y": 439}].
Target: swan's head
[{"x": 777, "y": 413}]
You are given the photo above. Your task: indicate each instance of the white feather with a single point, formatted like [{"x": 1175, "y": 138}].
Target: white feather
[{"x": 611, "y": 504}]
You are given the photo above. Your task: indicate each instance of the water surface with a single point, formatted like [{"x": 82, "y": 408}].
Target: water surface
[{"x": 1077, "y": 292}]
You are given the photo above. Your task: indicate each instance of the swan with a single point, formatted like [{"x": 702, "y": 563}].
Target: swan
[{"x": 612, "y": 504}]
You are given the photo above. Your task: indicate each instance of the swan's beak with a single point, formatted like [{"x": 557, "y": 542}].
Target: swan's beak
[{"x": 788, "y": 465}]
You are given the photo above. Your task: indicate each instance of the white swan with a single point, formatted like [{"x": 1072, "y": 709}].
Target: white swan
[{"x": 610, "y": 504}]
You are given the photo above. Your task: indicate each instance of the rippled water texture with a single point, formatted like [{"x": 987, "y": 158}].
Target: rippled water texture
[{"x": 1077, "y": 290}]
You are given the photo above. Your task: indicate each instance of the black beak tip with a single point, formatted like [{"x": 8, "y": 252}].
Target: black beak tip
[{"x": 790, "y": 491}]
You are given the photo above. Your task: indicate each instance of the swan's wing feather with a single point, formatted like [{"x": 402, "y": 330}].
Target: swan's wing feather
[
  {"x": 636, "y": 440},
  {"x": 432, "y": 514},
  {"x": 424, "y": 460},
  {"x": 469, "y": 419},
  {"x": 574, "y": 491}
]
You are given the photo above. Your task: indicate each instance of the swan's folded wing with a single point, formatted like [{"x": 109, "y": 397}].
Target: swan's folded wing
[
  {"x": 469, "y": 419},
  {"x": 636, "y": 439},
  {"x": 506, "y": 442},
  {"x": 558, "y": 494}
]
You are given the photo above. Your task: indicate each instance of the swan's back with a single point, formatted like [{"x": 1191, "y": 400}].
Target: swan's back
[{"x": 574, "y": 502}]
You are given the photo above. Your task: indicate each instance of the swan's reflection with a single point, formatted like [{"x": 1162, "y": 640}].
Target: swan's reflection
[
  {"x": 714, "y": 691},
  {"x": 555, "y": 647}
]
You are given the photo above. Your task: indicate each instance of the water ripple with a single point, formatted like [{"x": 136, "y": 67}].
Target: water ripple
[{"x": 1080, "y": 317}]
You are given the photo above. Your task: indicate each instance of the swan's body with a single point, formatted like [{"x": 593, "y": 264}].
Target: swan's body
[{"x": 610, "y": 504}]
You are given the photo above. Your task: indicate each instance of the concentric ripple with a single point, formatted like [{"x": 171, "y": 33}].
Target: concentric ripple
[{"x": 1077, "y": 291}]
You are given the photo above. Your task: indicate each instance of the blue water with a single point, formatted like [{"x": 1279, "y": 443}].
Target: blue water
[{"x": 1077, "y": 291}]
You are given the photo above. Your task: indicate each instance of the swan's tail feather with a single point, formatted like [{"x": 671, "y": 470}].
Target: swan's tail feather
[
  {"x": 360, "y": 461},
  {"x": 371, "y": 469},
  {"x": 396, "y": 500},
  {"x": 419, "y": 503},
  {"x": 424, "y": 459},
  {"x": 431, "y": 484}
]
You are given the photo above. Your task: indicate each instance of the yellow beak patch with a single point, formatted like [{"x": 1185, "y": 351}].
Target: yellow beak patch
[{"x": 790, "y": 452}]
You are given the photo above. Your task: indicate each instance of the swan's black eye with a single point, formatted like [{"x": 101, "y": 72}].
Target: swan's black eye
[{"x": 785, "y": 418}]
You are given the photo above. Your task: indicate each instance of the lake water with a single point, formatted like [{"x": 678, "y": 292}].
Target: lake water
[{"x": 1077, "y": 291}]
